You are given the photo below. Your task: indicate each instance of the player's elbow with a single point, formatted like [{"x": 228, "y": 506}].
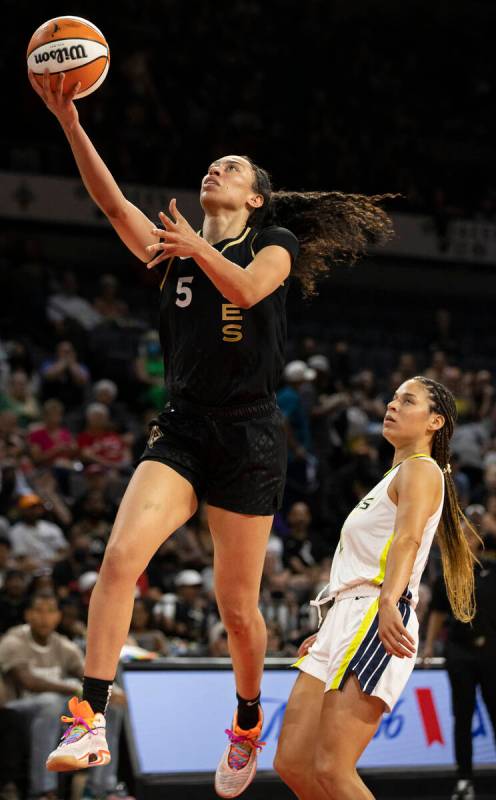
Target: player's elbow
[
  {"x": 408, "y": 541},
  {"x": 115, "y": 213},
  {"x": 240, "y": 299}
]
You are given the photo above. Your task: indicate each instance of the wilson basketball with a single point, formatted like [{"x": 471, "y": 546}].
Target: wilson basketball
[{"x": 71, "y": 45}]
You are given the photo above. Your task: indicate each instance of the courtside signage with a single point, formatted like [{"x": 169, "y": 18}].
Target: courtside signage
[{"x": 164, "y": 715}]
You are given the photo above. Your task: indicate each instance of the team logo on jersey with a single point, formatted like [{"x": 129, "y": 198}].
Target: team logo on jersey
[
  {"x": 232, "y": 332},
  {"x": 155, "y": 435},
  {"x": 364, "y": 504}
]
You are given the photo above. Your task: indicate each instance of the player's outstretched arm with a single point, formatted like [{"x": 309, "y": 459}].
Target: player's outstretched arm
[{"x": 133, "y": 227}]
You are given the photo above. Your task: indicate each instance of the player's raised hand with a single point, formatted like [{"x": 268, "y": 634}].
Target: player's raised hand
[
  {"x": 60, "y": 104},
  {"x": 178, "y": 238}
]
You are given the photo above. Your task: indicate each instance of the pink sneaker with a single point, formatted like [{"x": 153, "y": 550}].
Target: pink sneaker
[{"x": 238, "y": 764}]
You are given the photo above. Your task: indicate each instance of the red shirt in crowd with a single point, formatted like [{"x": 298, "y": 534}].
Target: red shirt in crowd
[{"x": 106, "y": 445}]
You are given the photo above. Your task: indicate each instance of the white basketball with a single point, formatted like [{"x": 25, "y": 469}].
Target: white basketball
[{"x": 71, "y": 45}]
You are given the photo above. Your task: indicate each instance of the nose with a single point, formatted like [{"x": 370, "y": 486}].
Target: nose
[
  {"x": 214, "y": 170},
  {"x": 392, "y": 405}
]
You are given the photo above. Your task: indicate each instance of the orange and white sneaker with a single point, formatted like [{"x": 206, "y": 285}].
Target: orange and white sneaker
[
  {"x": 238, "y": 764},
  {"x": 83, "y": 743}
]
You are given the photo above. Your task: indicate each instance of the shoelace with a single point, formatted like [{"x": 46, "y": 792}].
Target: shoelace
[
  {"x": 76, "y": 725},
  {"x": 239, "y": 755}
]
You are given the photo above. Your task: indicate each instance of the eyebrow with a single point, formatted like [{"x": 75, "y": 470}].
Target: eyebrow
[
  {"x": 228, "y": 161},
  {"x": 406, "y": 394}
]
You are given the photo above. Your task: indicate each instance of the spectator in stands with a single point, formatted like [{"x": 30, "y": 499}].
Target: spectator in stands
[
  {"x": 93, "y": 516},
  {"x": 106, "y": 392},
  {"x": 5, "y": 552},
  {"x": 51, "y": 443},
  {"x": 488, "y": 525},
  {"x": 203, "y": 538},
  {"x": 365, "y": 394},
  {"x": 302, "y": 547},
  {"x": 41, "y": 669},
  {"x": 469, "y": 442},
  {"x": 80, "y": 559},
  {"x": 45, "y": 485},
  {"x": 20, "y": 357},
  {"x": 108, "y": 304},
  {"x": 407, "y": 366},
  {"x": 12, "y": 438},
  {"x": 460, "y": 480},
  {"x": 483, "y": 394},
  {"x": 295, "y": 375},
  {"x": 20, "y": 399},
  {"x": 218, "y": 646},
  {"x": 277, "y": 644},
  {"x": 68, "y": 306},
  {"x": 100, "y": 444},
  {"x": 12, "y": 599},
  {"x": 143, "y": 632},
  {"x": 72, "y": 622},
  {"x": 184, "y": 615},
  {"x": 64, "y": 377},
  {"x": 35, "y": 541},
  {"x": 438, "y": 364},
  {"x": 487, "y": 486},
  {"x": 149, "y": 370}
]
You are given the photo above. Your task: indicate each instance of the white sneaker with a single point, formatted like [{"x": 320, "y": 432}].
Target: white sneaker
[
  {"x": 84, "y": 743},
  {"x": 464, "y": 790},
  {"x": 238, "y": 764}
]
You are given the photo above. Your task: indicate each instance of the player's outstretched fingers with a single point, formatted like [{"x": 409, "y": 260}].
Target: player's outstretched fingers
[
  {"x": 72, "y": 94},
  {"x": 59, "y": 89},
  {"x": 47, "y": 89},
  {"x": 167, "y": 222},
  {"x": 174, "y": 211}
]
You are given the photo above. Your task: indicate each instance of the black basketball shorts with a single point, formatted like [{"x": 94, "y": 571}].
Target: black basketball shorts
[{"x": 235, "y": 457}]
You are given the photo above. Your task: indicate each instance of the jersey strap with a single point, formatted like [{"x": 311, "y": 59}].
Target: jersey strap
[{"x": 410, "y": 458}]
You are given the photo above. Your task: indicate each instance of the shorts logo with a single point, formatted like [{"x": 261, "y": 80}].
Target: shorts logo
[{"x": 155, "y": 434}]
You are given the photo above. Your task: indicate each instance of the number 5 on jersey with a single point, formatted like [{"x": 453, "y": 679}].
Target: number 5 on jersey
[{"x": 183, "y": 291}]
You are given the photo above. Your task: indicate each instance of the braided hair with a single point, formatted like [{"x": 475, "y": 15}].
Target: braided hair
[
  {"x": 330, "y": 226},
  {"x": 458, "y": 560}
]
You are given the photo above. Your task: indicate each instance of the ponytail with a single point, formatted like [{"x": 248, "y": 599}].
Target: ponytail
[{"x": 457, "y": 557}]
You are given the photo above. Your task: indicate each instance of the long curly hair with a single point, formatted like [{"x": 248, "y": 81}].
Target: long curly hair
[{"x": 330, "y": 226}]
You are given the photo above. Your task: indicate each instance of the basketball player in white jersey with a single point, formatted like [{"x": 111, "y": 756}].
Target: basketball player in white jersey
[{"x": 357, "y": 665}]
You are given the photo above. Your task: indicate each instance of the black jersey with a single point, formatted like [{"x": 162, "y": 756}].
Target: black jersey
[{"x": 216, "y": 354}]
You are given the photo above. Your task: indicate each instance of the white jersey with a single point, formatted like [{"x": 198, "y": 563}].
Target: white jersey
[{"x": 367, "y": 535}]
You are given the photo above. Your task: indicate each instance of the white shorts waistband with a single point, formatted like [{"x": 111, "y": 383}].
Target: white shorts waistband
[{"x": 360, "y": 590}]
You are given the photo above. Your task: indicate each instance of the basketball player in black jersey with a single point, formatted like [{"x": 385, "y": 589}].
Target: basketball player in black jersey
[{"x": 222, "y": 437}]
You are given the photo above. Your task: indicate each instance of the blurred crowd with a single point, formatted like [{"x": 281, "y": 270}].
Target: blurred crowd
[
  {"x": 73, "y": 424},
  {"x": 373, "y": 113},
  {"x": 81, "y": 378}
]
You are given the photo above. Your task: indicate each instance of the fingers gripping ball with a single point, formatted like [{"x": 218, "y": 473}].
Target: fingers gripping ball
[{"x": 71, "y": 45}]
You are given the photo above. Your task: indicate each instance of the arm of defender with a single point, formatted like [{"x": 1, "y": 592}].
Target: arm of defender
[{"x": 418, "y": 488}]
